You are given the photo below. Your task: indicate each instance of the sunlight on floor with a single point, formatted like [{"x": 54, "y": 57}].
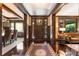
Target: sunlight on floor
[{"x": 20, "y": 46}]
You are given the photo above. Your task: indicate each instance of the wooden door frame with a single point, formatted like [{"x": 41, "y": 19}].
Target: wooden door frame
[
  {"x": 25, "y": 34},
  {"x": 38, "y": 17},
  {"x": 53, "y": 32},
  {"x": 0, "y": 29},
  {"x": 75, "y": 17}
]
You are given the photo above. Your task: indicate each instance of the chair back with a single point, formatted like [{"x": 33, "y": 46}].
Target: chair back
[
  {"x": 14, "y": 34},
  {"x": 7, "y": 35}
]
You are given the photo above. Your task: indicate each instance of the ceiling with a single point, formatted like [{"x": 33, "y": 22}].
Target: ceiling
[{"x": 39, "y": 8}]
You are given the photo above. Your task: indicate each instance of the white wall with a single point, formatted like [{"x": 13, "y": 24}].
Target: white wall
[{"x": 71, "y": 9}]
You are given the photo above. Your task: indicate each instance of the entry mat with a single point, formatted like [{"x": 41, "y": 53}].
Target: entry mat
[{"x": 40, "y": 50}]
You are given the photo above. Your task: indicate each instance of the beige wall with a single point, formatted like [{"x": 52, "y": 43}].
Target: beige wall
[{"x": 70, "y": 9}]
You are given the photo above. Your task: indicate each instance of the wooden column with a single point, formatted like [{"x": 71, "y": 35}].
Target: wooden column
[
  {"x": 56, "y": 35},
  {"x": 53, "y": 30},
  {"x": 25, "y": 34},
  {"x": 0, "y": 29}
]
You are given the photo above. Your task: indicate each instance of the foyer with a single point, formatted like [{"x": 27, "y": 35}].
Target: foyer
[{"x": 39, "y": 29}]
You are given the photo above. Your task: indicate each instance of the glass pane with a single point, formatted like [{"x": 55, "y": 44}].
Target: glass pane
[
  {"x": 19, "y": 27},
  {"x": 70, "y": 25},
  {"x": 12, "y": 26}
]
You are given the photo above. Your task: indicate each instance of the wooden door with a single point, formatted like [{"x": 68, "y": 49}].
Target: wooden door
[{"x": 39, "y": 30}]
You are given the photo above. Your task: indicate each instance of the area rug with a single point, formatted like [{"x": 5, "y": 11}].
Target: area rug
[{"x": 40, "y": 50}]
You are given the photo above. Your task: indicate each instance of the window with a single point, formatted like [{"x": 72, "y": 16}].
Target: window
[
  {"x": 19, "y": 26},
  {"x": 12, "y": 25}
]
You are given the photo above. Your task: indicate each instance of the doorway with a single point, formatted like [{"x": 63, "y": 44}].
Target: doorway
[{"x": 39, "y": 29}]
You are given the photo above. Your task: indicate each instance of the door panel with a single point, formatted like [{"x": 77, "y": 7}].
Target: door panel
[{"x": 39, "y": 30}]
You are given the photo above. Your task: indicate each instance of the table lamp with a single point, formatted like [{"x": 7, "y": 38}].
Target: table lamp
[{"x": 62, "y": 30}]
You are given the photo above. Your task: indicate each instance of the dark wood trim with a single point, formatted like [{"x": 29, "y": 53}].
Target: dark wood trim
[
  {"x": 21, "y": 8},
  {"x": 67, "y": 16},
  {"x": 25, "y": 34},
  {"x": 10, "y": 10},
  {"x": 53, "y": 31},
  {"x": 75, "y": 17},
  {"x": 16, "y": 20},
  {"x": 12, "y": 17},
  {"x": 4, "y": 16},
  {"x": 41, "y": 17},
  {"x": 0, "y": 29}
]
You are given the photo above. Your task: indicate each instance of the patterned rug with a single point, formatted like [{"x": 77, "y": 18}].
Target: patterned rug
[{"x": 40, "y": 50}]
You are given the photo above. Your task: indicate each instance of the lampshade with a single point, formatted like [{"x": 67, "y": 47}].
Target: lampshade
[{"x": 62, "y": 29}]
